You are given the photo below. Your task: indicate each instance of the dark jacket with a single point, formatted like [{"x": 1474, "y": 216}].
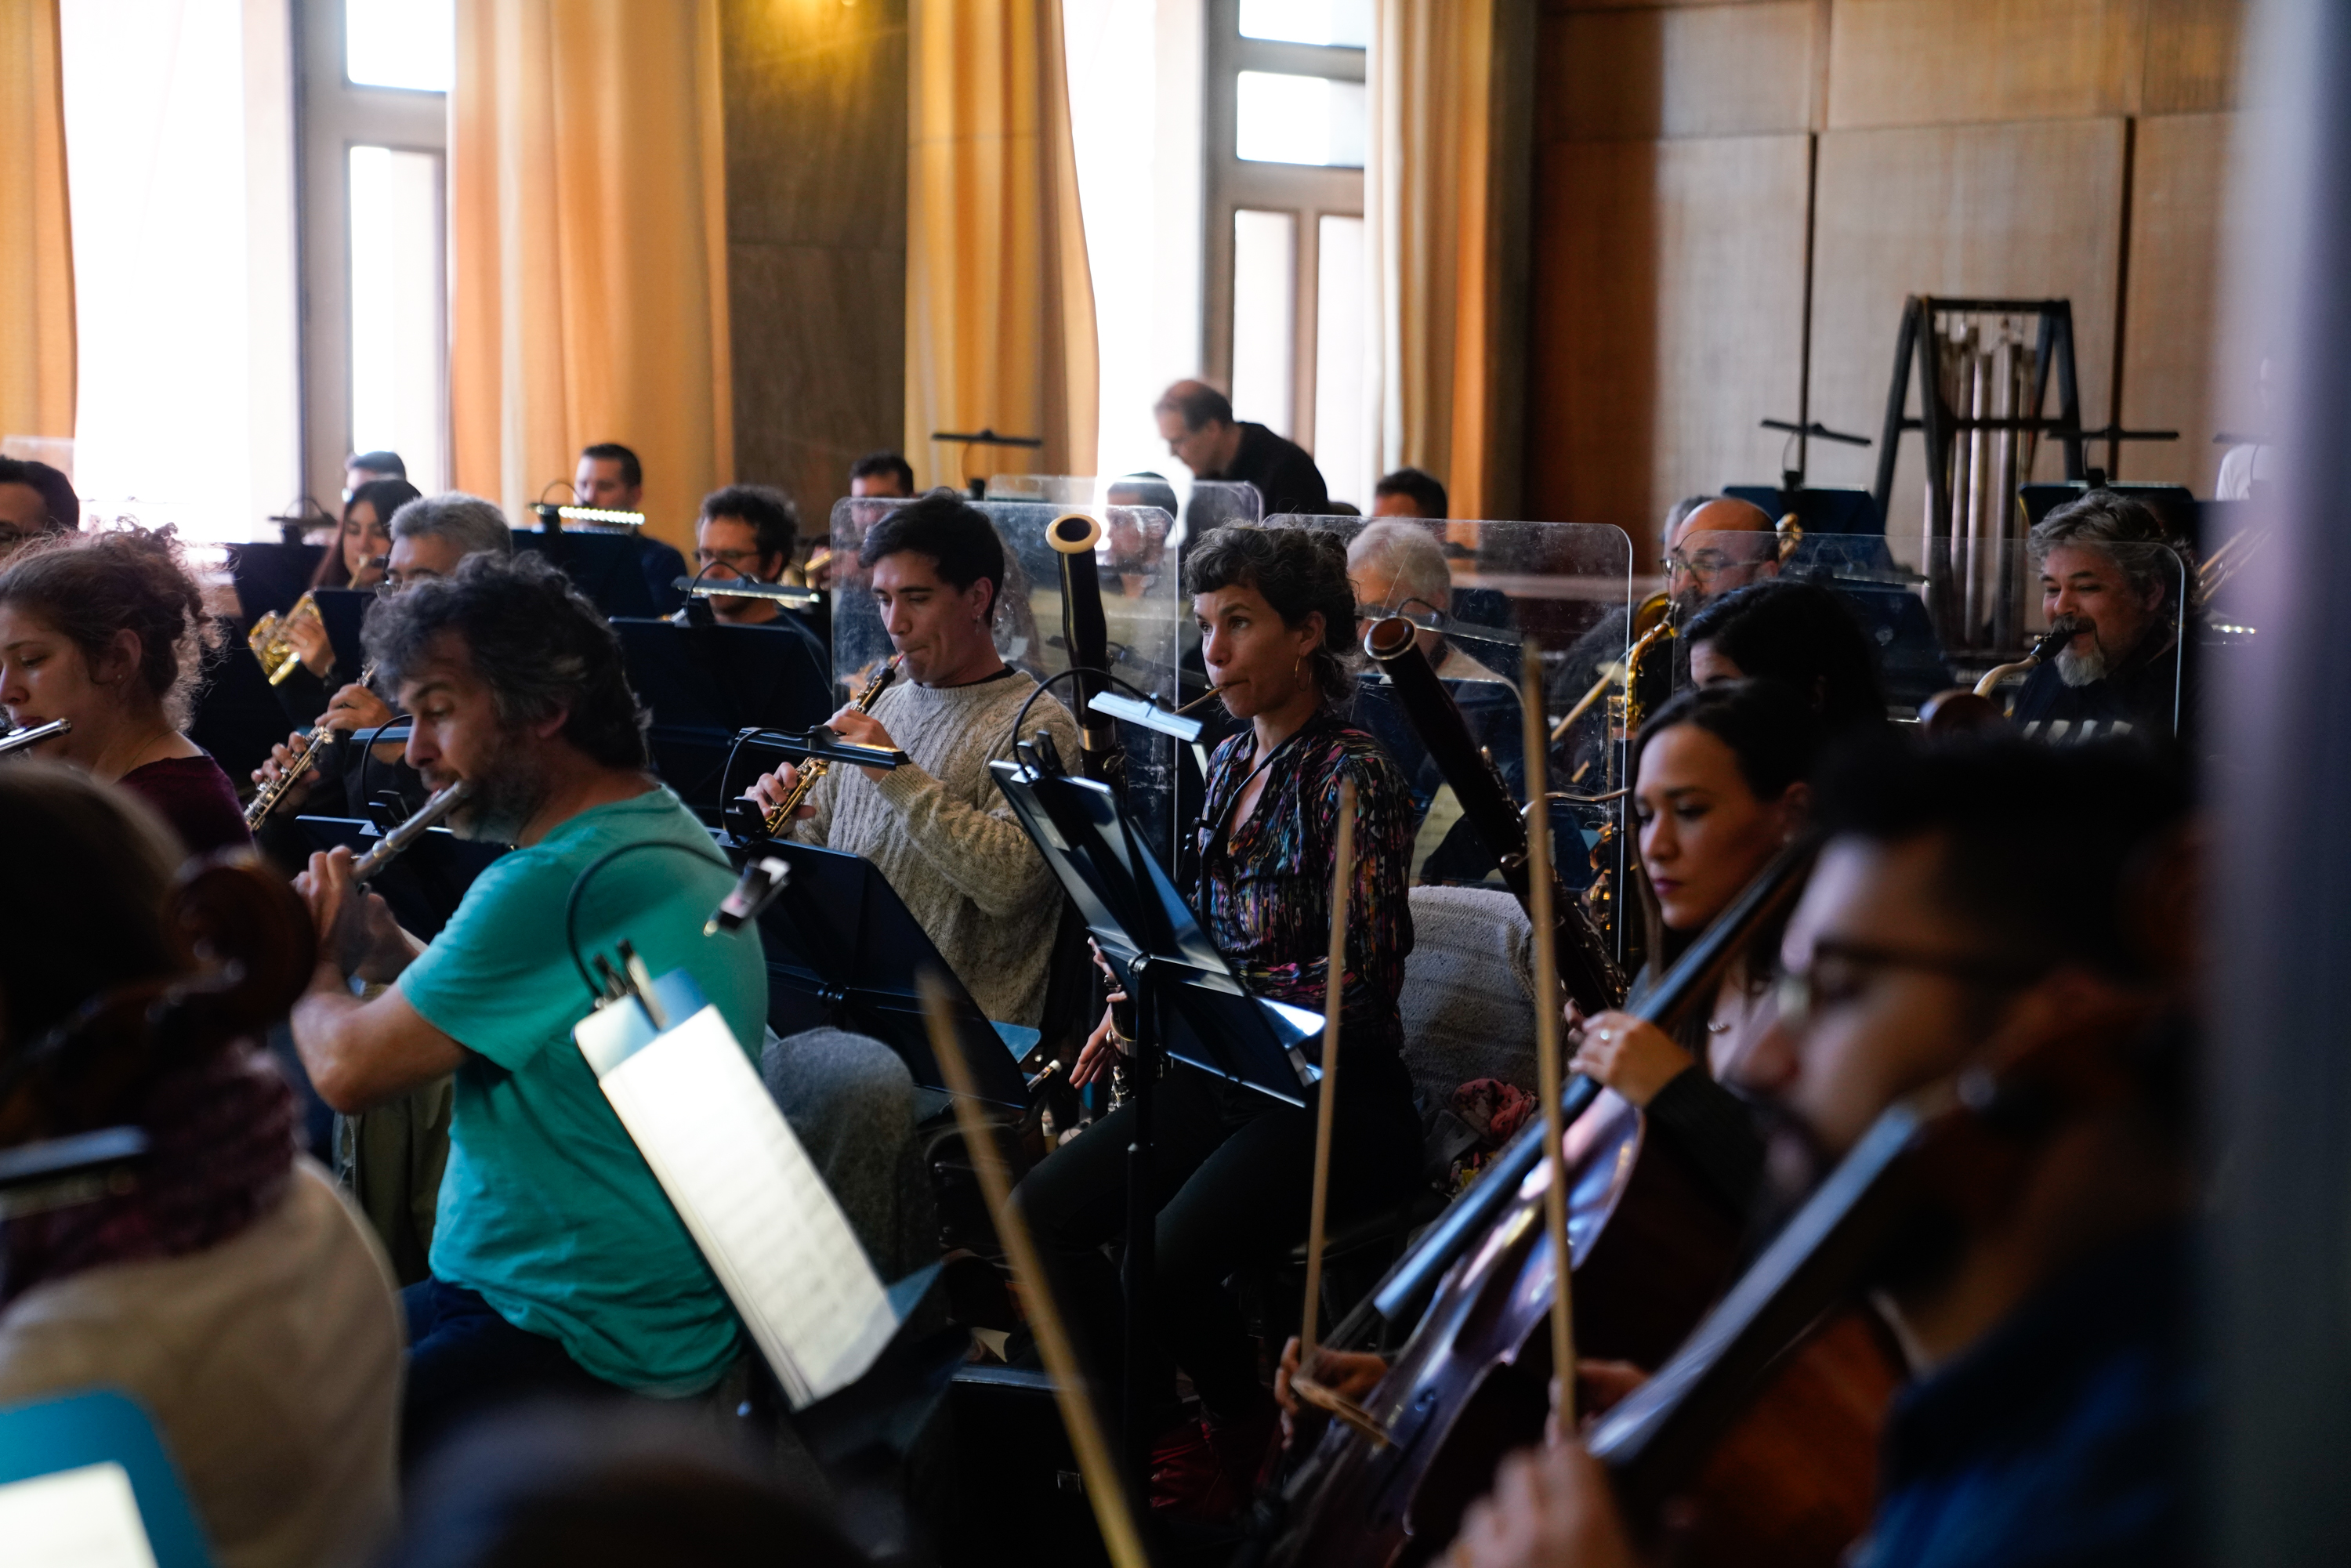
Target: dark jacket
[
  {"x": 2140, "y": 693},
  {"x": 1283, "y": 471}
]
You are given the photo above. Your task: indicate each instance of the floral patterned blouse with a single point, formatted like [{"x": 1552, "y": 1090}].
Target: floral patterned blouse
[{"x": 1265, "y": 889}]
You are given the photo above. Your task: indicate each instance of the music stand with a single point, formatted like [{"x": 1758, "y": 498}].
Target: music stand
[
  {"x": 341, "y": 611},
  {"x": 1188, "y": 1003},
  {"x": 270, "y": 577},
  {"x": 704, "y": 684},
  {"x": 424, "y": 885},
  {"x": 843, "y": 950},
  {"x": 623, "y": 574}
]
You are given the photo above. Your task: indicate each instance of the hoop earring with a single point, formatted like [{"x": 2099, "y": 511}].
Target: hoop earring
[{"x": 1298, "y": 672}]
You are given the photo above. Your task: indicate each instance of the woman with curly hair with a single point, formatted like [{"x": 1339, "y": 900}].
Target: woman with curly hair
[
  {"x": 105, "y": 632},
  {"x": 1232, "y": 1166}
]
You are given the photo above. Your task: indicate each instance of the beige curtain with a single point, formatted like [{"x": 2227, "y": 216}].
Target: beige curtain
[
  {"x": 999, "y": 304},
  {"x": 1446, "y": 203},
  {"x": 37, "y": 295},
  {"x": 588, "y": 249}
]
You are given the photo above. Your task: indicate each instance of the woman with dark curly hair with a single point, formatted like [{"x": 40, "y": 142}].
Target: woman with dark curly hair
[
  {"x": 105, "y": 630},
  {"x": 1233, "y": 1166}
]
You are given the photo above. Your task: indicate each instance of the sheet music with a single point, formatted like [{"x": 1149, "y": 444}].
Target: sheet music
[
  {"x": 85, "y": 1518},
  {"x": 756, "y": 1206}
]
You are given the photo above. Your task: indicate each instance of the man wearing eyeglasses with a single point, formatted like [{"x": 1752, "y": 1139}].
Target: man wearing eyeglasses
[
  {"x": 2040, "y": 1288},
  {"x": 746, "y": 532}
]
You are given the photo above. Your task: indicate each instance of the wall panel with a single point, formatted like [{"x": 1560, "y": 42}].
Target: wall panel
[
  {"x": 2177, "y": 204},
  {"x": 816, "y": 116},
  {"x": 1710, "y": 70},
  {"x": 2024, "y": 210},
  {"x": 1936, "y": 62},
  {"x": 2192, "y": 54},
  {"x": 1667, "y": 296}
]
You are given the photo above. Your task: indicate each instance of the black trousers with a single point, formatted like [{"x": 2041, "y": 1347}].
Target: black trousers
[{"x": 1232, "y": 1174}]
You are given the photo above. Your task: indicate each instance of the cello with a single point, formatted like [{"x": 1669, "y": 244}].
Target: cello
[{"x": 1651, "y": 1250}]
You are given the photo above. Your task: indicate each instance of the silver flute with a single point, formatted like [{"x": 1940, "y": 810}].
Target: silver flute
[
  {"x": 388, "y": 848},
  {"x": 33, "y": 736}
]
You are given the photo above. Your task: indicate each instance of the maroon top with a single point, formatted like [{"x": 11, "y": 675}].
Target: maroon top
[{"x": 195, "y": 797}]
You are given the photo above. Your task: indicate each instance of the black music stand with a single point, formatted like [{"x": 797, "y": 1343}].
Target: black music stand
[
  {"x": 341, "y": 611},
  {"x": 624, "y": 574},
  {"x": 704, "y": 684},
  {"x": 424, "y": 885},
  {"x": 843, "y": 950},
  {"x": 271, "y": 576},
  {"x": 1188, "y": 1004}
]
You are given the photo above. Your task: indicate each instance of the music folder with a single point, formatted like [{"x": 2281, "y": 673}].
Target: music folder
[
  {"x": 747, "y": 1191},
  {"x": 1134, "y": 912}
]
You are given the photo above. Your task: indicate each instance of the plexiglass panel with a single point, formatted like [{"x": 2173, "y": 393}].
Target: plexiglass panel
[
  {"x": 1567, "y": 587},
  {"x": 1137, "y": 574},
  {"x": 1969, "y": 609},
  {"x": 1196, "y": 504}
]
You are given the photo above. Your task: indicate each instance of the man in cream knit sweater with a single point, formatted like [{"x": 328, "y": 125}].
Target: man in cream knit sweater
[{"x": 940, "y": 831}]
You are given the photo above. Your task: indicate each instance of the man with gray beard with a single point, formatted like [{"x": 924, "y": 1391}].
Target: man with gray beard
[{"x": 2107, "y": 566}]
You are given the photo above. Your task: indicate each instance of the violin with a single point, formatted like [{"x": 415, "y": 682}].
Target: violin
[{"x": 1651, "y": 1250}]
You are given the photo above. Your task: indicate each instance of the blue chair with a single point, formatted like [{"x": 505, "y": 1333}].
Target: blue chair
[{"x": 52, "y": 1436}]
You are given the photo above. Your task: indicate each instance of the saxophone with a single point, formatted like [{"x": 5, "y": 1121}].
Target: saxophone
[
  {"x": 778, "y": 821},
  {"x": 264, "y": 800}
]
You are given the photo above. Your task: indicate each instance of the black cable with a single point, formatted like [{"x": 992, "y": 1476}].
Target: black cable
[
  {"x": 1022, "y": 716},
  {"x": 580, "y": 885}
]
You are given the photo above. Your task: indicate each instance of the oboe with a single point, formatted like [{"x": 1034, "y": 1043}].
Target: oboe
[
  {"x": 389, "y": 848},
  {"x": 266, "y": 798},
  {"x": 34, "y": 735},
  {"x": 778, "y": 821}
]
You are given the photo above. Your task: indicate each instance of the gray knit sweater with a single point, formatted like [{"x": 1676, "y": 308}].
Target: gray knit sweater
[{"x": 945, "y": 839}]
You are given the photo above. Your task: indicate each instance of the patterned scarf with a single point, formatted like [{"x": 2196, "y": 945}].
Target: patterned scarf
[{"x": 220, "y": 1152}]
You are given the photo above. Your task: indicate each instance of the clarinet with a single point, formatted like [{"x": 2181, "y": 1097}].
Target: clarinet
[
  {"x": 778, "y": 821},
  {"x": 266, "y": 798}
]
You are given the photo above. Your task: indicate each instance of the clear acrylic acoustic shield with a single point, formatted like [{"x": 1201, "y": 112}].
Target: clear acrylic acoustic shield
[
  {"x": 1478, "y": 591},
  {"x": 1945, "y": 623},
  {"x": 1135, "y": 565}
]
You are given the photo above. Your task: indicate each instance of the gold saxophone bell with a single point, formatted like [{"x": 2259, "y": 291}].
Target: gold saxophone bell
[{"x": 272, "y": 638}]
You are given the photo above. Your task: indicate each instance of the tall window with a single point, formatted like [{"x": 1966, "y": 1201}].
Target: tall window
[
  {"x": 376, "y": 75},
  {"x": 1287, "y": 128}
]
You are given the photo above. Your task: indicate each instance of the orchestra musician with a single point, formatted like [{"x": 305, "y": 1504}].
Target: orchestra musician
[
  {"x": 430, "y": 535},
  {"x": 1710, "y": 545},
  {"x": 1722, "y": 784},
  {"x": 745, "y": 531},
  {"x": 2042, "y": 1296},
  {"x": 1398, "y": 569},
  {"x": 1233, "y": 1166},
  {"x": 105, "y": 630},
  {"x": 227, "y": 1290},
  {"x": 557, "y": 1266},
  {"x": 2107, "y": 563},
  {"x": 1799, "y": 634},
  {"x": 355, "y": 558},
  {"x": 938, "y": 830},
  {"x": 35, "y": 499}
]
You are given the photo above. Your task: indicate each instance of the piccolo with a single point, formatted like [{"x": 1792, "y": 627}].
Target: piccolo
[
  {"x": 34, "y": 736},
  {"x": 389, "y": 848}
]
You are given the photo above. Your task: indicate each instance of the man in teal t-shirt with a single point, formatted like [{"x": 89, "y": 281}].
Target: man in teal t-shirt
[{"x": 557, "y": 1263}]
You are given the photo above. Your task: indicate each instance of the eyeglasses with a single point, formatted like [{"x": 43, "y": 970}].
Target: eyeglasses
[
  {"x": 393, "y": 582},
  {"x": 1839, "y": 973},
  {"x": 742, "y": 561}
]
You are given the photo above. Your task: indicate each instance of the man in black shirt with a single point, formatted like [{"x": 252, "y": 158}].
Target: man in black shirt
[
  {"x": 1197, "y": 422},
  {"x": 2106, "y": 562}
]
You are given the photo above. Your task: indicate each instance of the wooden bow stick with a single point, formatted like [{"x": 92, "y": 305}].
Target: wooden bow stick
[
  {"x": 1548, "y": 1079},
  {"x": 1304, "y": 1385}
]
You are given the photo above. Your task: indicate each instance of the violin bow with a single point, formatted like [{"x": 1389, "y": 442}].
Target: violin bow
[
  {"x": 1548, "y": 1079},
  {"x": 1105, "y": 1487},
  {"x": 1303, "y": 1383}
]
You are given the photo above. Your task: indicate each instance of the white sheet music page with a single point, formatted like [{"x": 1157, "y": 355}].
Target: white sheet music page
[
  {"x": 756, "y": 1206},
  {"x": 85, "y": 1518}
]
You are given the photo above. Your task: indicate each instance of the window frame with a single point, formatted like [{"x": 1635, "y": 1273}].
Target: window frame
[
  {"x": 1304, "y": 190},
  {"x": 332, "y": 116}
]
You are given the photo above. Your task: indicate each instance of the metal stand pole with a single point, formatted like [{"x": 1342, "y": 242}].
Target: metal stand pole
[{"x": 1141, "y": 1229}]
